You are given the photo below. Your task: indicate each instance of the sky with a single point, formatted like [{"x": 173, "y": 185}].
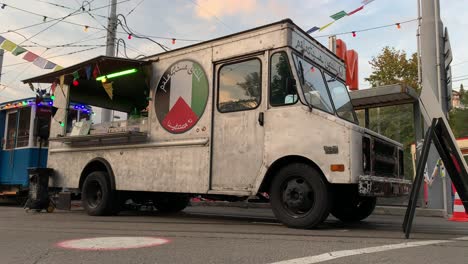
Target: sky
[{"x": 189, "y": 21}]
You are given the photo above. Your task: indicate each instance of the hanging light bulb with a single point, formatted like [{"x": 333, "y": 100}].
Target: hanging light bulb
[
  {"x": 3, "y": 6},
  {"x": 354, "y": 34},
  {"x": 62, "y": 124},
  {"x": 86, "y": 28},
  {"x": 312, "y": 69},
  {"x": 398, "y": 25},
  {"x": 75, "y": 82},
  {"x": 52, "y": 97},
  {"x": 173, "y": 41},
  {"x": 44, "y": 20},
  {"x": 129, "y": 36}
]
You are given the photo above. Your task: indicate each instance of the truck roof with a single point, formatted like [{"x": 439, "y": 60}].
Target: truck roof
[{"x": 260, "y": 28}]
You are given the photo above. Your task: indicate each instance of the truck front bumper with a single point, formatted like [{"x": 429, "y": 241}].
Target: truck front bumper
[{"x": 383, "y": 186}]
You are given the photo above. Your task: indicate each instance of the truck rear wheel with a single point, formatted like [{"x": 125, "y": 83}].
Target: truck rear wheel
[
  {"x": 350, "y": 209},
  {"x": 97, "y": 196},
  {"x": 299, "y": 196},
  {"x": 171, "y": 202}
]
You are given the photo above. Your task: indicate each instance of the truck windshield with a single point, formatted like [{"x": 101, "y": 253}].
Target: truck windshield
[
  {"x": 340, "y": 97},
  {"x": 313, "y": 85}
]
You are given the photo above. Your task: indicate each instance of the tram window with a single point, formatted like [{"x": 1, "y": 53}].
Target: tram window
[
  {"x": 11, "y": 131},
  {"x": 22, "y": 139}
]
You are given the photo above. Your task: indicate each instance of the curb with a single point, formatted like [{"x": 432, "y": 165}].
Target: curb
[{"x": 379, "y": 210}]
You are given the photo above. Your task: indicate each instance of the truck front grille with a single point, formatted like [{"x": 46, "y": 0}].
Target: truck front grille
[{"x": 381, "y": 158}]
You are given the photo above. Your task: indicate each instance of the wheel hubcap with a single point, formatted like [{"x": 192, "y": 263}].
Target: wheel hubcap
[
  {"x": 94, "y": 194},
  {"x": 298, "y": 198}
]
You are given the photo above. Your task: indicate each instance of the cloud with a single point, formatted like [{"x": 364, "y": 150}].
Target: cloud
[{"x": 208, "y": 9}]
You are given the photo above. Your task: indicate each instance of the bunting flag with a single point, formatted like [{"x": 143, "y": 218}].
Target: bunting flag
[
  {"x": 16, "y": 50},
  {"x": 76, "y": 75},
  {"x": 8, "y": 45},
  {"x": 53, "y": 87},
  {"x": 338, "y": 15},
  {"x": 327, "y": 25},
  {"x": 88, "y": 72},
  {"x": 29, "y": 56},
  {"x": 96, "y": 72},
  {"x": 58, "y": 67},
  {"x": 61, "y": 81},
  {"x": 312, "y": 30},
  {"x": 355, "y": 10},
  {"x": 40, "y": 62},
  {"x": 108, "y": 88},
  {"x": 49, "y": 65}
]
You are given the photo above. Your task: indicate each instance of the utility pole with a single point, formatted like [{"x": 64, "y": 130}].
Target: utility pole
[
  {"x": 110, "y": 48},
  {"x": 433, "y": 75},
  {"x": 1, "y": 62}
]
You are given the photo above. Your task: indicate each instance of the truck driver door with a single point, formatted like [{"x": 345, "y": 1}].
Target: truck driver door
[{"x": 238, "y": 131}]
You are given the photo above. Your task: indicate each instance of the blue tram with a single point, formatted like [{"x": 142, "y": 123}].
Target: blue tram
[{"x": 21, "y": 147}]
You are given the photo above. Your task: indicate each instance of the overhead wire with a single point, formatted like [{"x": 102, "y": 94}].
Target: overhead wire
[
  {"x": 133, "y": 9},
  {"x": 211, "y": 13},
  {"x": 127, "y": 30},
  {"x": 367, "y": 29}
]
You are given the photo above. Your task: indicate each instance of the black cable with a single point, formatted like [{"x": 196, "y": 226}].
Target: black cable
[{"x": 129, "y": 32}]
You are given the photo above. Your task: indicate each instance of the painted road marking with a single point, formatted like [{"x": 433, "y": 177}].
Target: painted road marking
[
  {"x": 346, "y": 253},
  {"x": 112, "y": 243}
]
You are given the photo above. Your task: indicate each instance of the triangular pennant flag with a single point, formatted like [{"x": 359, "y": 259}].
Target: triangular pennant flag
[
  {"x": 58, "y": 67},
  {"x": 29, "y": 56},
  {"x": 53, "y": 87},
  {"x": 312, "y": 30},
  {"x": 88, "y": 72},
  {"x": 18, "y": 50},
  {"x": 61, "y": 81},
  {"x": 108, "y": 88},
  {"x": 40, "y": 62},
  {"x": 76, "y": 75},
  {"x": 355, "y": 11},
  {"x": 49, "y": 65},
  {"x": 327, "y": 25},
  {"x": 338, "y": 15},
  {"x": 96, "y": 72},
  {"x": 8, "y": 45},
  {"x": 2, "y": 39}
]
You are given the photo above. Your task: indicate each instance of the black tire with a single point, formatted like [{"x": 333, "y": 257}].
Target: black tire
[
  {"x": 299, "y": 196},
  {"x": 97, "y": 196},
  {"x": 171, "y": 202},
  {"x": 353, "y": 208}
]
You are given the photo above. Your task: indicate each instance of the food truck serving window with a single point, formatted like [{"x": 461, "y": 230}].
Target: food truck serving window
[{"x": 17, "y": 132}]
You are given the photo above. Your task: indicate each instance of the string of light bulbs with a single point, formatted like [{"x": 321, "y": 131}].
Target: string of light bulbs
[{"x": 397, "y": 25}]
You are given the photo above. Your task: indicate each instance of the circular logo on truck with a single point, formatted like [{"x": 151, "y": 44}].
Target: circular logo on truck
[{"x": 181, "y": 96}]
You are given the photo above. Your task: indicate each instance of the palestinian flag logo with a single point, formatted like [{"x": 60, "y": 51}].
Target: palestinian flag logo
[{"x": 181, "y": 96}]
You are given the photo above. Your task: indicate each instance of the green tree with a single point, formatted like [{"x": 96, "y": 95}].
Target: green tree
[{"x": 393, "y": 66}]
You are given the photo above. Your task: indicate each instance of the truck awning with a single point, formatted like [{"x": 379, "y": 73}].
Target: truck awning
[
  {"x": 386, "y": 95},
  {"x": 106, "y": 65}
]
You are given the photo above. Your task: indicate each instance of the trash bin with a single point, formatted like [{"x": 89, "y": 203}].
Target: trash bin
[{"x": 38, "y": 197}]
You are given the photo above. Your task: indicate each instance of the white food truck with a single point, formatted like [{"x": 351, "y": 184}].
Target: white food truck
[{"x": 262, "y": 113}]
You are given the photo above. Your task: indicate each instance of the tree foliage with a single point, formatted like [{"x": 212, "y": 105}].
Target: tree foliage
[{"x": 393, "y": 66}]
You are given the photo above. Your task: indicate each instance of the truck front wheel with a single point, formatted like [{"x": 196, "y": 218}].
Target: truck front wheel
[
  {"x": 299, "y": 196},
  {"x": 97, "y": 196},
  {"x": 353, "y": 208},
  {"x": 171, "y": 202}
]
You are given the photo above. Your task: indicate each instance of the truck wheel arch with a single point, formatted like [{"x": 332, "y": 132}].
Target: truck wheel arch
[
  {"x": 98, "y": 164},
  {"x": 283, "y": 161}
]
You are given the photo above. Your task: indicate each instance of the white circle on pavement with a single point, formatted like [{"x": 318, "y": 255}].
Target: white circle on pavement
[{"x": 112, "y": 243}]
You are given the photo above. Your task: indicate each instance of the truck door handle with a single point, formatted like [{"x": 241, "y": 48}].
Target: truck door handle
[{"x": 261, "y": 118}]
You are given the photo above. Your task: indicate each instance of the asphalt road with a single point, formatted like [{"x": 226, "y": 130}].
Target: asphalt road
[{"x": 224, "y": 235}]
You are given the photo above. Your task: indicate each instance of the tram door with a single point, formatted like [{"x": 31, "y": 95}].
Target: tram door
[{"x": 15, "y": 158}]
